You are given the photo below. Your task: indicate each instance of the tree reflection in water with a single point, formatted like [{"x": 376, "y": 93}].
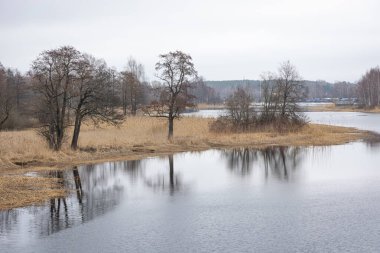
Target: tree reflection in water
[
  {"x": 161, "y": 182},
  {"x": 96, "y": 189},
  {"x": 56, "y": 222},
  {"x": 373, "y": 142},
  {"x": 278, "y": 162},
  {"x": 240, "y": 160},
  {"x": 134, "y": 169},
  {"x": 93, "y": 190},
  {"x": 8, "y": 219}
]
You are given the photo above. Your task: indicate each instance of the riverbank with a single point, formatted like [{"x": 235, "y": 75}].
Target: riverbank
[
  {"x": 341, "y": 108},
  {"x": 24, "y": 152},
  {"x": 322, "y": 107}
]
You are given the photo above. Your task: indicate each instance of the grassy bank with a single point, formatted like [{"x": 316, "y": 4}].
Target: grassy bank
[
  {"x": 341, "y": 108},
  {"x": 330, "y": 107},
  {"x": 139, "y": 137}
]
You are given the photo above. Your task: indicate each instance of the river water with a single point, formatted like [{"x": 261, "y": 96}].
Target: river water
[{"x": 281, "y": 199}]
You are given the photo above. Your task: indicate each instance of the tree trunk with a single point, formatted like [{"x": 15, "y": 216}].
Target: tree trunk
[
  {"x": 170, "y": 133},
  {"x": 74, "y": 141},
  {"x": 134, "y": 107},
  {"x": 78, "y": 184},
  {"x": 171, "y": 173},
  {"x": 62, "y": 117}
]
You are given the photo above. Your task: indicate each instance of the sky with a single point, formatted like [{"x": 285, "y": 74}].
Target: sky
[{"x": 332, "y": 40}]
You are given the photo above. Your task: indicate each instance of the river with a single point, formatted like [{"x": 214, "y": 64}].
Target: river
[{"x": 281, "y": 199}]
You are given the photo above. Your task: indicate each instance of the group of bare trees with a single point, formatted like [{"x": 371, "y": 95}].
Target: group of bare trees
[
  {"x": 12, "y": 97},
  {"x": 66, "y": 80},
  {"x": 369, "y": 88},
  {"x": 66, "y": 87},
  {"x": 69, "y": 87},
  {"x": 133, "y": 86},
  {"x": 5, "y": 98},
  {"x": 280, "y": 93}
]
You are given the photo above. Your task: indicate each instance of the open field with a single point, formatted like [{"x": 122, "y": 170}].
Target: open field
[{"x": 139, "y": 137}]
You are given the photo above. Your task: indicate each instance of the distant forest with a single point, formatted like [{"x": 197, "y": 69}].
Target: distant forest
[{"x": 314, "y": 90}]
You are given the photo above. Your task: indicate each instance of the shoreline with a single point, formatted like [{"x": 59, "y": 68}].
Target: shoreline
[
  {"x": 323, "y": 107},
  {"x": 19, "y": 190}
]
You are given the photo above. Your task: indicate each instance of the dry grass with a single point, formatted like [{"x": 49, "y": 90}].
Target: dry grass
[
  {"x": 144, "y": 134},
  {"x": 344, "y": 108},
  {"x": 17, "y": 190},
  {"x": 139, "y": 137},
  {"x": 204, "y": 106}
]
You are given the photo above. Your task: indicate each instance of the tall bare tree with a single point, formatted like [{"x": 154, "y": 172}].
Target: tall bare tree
[
  {"x": 90, "y": 94},
  {"x": 269, "y": 97},
  {"x": 132, "y": 86},
  {"x": 174, "y": 70},
  {"x": 54, "y": 72},
  {"x": 289, "y": 89}
]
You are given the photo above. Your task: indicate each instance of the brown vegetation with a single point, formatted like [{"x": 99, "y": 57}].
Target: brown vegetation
[
  {"x": 208, "y": 106},
  {"x": 19, "y": 190},
  {"x": 331, "y": 107},
  {"x": 144, "y": 135}
]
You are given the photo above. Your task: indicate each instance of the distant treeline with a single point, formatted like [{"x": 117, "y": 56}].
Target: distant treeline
[{"x": 314, "y": 90}]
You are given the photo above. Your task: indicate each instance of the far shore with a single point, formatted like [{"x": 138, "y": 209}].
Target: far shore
[
  {"x": 24, "y": 151},
  {"x": 323, "y": 107}
]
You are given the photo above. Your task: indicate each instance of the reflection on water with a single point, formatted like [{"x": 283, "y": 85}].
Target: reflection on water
[
  {"x": 148, "y": 201},
  {"x": 278, "y": 162},
  {"x": 240, "y": 160},
  {"x": 93, "y": 190},
  {"x": 96, "y": 189},
  {"x": 171, "y": 183}
]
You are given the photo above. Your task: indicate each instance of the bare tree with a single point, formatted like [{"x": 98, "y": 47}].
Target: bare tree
[
  {"x": 269, "y": 97},
  {"x": 90, "y": 93},
  {"x": 174, "y": 70},
  {"x": 132, "y": 86},
  {"x": 289, "y": 90},
  {"x": 280, "y": 94},
  {"x": 53, "y": 72},
  {"x": 5, "y": 98},
  {"x": 240, "y": 110}
]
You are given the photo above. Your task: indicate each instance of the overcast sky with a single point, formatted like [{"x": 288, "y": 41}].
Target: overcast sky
[{"x": 333, "y": 40}]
